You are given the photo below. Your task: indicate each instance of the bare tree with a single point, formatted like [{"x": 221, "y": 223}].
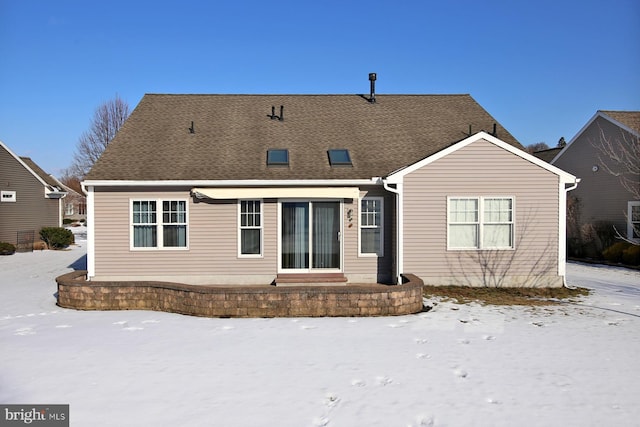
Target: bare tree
[
  {"x": 538, "y": 146},
  {"x": 107, "y": 119},
  {"x": 619, "y": 155}
]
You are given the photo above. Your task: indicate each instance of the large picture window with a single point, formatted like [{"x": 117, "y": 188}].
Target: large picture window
[
  {"x": 250, "y": 228},
  {"x": 150, "y": 232},
  {"x": 371, "y": 226},
  {"x": 480, "y": 223}
]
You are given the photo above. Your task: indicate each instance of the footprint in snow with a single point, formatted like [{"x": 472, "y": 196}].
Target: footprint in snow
[
  {"x": 305, "y": 327},
  {"x": 358, "y": 383},
  {"x": 63, "y": 326},
  {"x": 133, "y": 328},
  {"x": 423, "y": 421},
  {"x": 464, "y": 341},
  {"x": 395, "y": 325},
  {"x": 488, "y": 337},
  {"x": 331, "y": 400},
  {"x": 538, "y": 324},
  {"x": 321, "y": 422},
  {"x": 120, "y": 322},
  {"x": 493, "y": 401},
  {"x": 227, "y": 328},
  {"x": 420, "y": 340},
  {"x": 460, "y": 373},
  {"x": 383, "y": 381},
  {"x": 151, "y": 321},
  {"x": 422, "y": 356},
  {"x": 25, "y": 331}
]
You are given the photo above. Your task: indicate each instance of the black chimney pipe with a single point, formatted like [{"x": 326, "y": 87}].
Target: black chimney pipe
[{"x": 372, "y": 95}]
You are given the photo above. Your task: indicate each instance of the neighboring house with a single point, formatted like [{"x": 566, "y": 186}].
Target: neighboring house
[
  {"x": 548, "y": 155},
  {"x": 601, "y": 196},
  {"x": 29, "y": 199},
  {"x": 252, "y": 189},
  {"x": 75, "y": 206}
]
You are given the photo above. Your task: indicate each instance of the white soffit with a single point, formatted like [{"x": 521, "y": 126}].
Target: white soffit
[{"x": 278, "y": 192}]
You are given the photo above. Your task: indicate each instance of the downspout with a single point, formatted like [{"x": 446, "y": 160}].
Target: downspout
[
  {"x": 399, "y": 228},
  {"x": 91, "y": 249},
  {"x": 563, "y": 232}
]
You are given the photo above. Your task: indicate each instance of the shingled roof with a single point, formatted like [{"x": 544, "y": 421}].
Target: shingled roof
[
  {"x": 232, "y": 133},
  {"x": 630, "y": 119}
]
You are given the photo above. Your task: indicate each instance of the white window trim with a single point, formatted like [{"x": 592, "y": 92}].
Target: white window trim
[
  {"x": 240, "y": 228},
  {"x": 8, "y": 196},
  {"x": 69, "y": 209},
  {"x": 381, "y": 227},
  {"x": 630, "y": 206},
  {"x": 159, "y": 224},
  {"x": 481, "y": 224}
]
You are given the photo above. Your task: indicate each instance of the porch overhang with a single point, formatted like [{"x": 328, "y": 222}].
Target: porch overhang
[{"x": 227, "y": 193}]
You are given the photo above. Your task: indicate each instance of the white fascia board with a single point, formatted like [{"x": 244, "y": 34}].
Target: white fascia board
[
  {"x": 586, "y": 126},
  {"x": 397, "y": 177},
  {"x": 24, "y": 165},
  {"x": 232, "y": 183}
]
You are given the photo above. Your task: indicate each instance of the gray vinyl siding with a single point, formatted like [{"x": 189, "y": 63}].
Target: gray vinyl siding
[
  {"x": 32, "y": 210},
  {"x": 601, "y": 195},
  {"x": 213, "y": 239},
  {"x": 472, "y": 171}
]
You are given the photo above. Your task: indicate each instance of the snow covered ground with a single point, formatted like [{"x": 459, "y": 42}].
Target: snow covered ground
[{"x": 576, "y": 364}]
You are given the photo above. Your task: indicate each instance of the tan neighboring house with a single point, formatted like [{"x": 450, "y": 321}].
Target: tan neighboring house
[
  {"x": 255, "y": 189},
  {"x": 29, "y": 199},
  {"x": 601, "y": 195},
  {"x": 75, "y": 206}
]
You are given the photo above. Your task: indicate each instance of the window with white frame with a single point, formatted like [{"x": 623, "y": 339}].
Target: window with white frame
[
  {"x": 7, "y": 196},
  {"x": 480, "y": 223},
  {"x": 250, "y": 230},
  {"x": 371, "y": 226},
  {"x": 633, "y": 220},
  {"x": 68, "y": 209},
  {"x": 169, "y": 232}
]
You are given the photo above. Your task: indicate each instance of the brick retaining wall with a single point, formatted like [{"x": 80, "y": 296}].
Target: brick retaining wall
[{"x": 241, "y": 301}]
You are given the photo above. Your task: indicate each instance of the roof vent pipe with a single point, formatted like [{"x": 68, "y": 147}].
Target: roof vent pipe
[{"x": 372, "y": 94}]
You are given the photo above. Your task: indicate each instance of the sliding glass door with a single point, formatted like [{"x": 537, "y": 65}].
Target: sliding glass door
[{"x": 310, "y": 235}]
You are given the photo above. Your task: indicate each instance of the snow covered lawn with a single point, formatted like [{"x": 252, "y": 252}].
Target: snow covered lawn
[{"x": 457, "y": 365}]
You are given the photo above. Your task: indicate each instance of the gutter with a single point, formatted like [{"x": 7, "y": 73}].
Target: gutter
[{"x": 399, "y": 228}]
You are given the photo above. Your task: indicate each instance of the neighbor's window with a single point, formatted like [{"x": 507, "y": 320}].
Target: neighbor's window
[
  {"x": 68, "y": 209},
  {"x": 7, "y": 196},
  {"x": 480, "y": 223},
  {"x": 633, "y": 224},
  {"x": 371, "y": 226},
  {"x": 150, "y": 232},
  {"x": 250, "y": 228}
]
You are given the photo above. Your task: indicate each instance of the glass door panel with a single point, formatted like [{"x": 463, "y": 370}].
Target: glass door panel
[
  {"x": 295, "y": 235},
  {"x": 326, "y": 235}
]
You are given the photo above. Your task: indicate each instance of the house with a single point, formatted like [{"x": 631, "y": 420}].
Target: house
[
  {"x": 29, "y": 199},
  {"x": 257, "y": 189},
  {"x": 602, "y": 196},
  {"x": 75, "y": 206}
]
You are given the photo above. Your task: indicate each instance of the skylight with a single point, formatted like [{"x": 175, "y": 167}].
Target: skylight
[
  {"x": 278, "y": 157},
  {"x": 339, "y": 157}
]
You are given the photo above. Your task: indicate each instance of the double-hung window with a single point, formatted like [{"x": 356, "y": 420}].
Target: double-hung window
[
  {"x": 480, "y": 223},
  {"x": 152, "y": 228},
  {"x": 371, "y": 226},
  {"x": 250, "y": 230}
]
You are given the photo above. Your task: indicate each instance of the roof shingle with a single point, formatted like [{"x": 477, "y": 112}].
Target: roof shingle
[{"x": 232, "y": 133}]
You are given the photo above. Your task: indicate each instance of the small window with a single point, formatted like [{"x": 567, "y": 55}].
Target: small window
[
  {"x": 250, "y": 228},
  {"x": 371, "y": 226},
  {"x": 339, "y": 157},
  {"x": 144, "y": 224},
  {"x": 633, "y": 224},
  {"x": 7, "y": 196},
  {"x": 278, "y": 157},
  {"x": 68, "y": 209}
]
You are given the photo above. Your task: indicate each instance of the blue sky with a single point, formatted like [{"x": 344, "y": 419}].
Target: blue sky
[{"x": 541, "y": 68}]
